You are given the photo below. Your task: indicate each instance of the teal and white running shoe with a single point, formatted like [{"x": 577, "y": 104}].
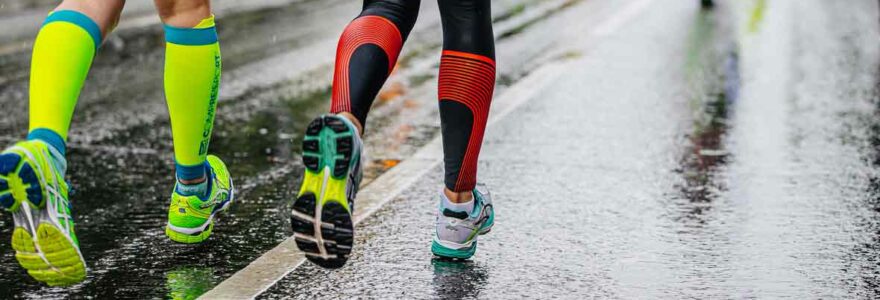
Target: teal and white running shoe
[
  {"x": 191, "y": 218},
  {"x": 456, "y": 233},
  {"x": 321, "y": 216},
  {"x": 33, "y": 189}
]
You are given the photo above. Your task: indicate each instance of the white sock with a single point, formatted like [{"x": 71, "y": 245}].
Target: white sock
[{"x": 464, "y": 206}]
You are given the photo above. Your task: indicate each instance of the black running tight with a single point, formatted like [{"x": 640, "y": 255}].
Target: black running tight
[{"x": 369, "y": 48}]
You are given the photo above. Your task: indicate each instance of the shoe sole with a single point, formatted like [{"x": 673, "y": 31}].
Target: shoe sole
[
  {"x": 321, "y": 218},
  {"x": 201, "y": 236},
  {"x": 445, "y": 252},
  {"x": 184, "y": 238},
  {"x": 40, "y": 246}
]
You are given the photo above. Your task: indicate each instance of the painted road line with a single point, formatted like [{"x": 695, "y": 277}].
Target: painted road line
[
  {"x": 271, "y": 267},
  {"x": 613, "y": 24}
]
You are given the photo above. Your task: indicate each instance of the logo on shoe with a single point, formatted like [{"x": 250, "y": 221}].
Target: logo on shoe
[{"x": 221, "y": 197}]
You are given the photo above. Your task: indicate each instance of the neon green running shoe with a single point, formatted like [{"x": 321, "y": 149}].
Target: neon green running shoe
[
  {"x": 33, "y": 189},
  {"x": 321, "y": 216},
  {"x": 191, "y": 218}
]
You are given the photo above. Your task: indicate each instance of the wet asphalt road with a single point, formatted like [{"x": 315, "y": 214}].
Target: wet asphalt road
[
  {"x": 701, "y": 154},
  {"x": 722, "y": 154}
]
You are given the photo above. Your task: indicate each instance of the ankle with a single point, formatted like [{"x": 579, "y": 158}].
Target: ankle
[
  {"x": 50, "y": 137},
  {"x": 458, "y": 197},
  {"x": 354, "y": 120},
  {"x": 193, "y": 187},
  {"x": 191, "y": 174}
]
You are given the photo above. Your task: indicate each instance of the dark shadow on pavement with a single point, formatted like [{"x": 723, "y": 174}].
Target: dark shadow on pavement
[{"x": 458, "y": 279}]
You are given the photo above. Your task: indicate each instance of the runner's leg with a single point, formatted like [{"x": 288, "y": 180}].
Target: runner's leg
[
  {"x": 62, "y": 56},
  {"x": 466, "y": 84},
  {"x": 366, "y": 55},
  {"x": 192, "y": 83},
  {"x": 32, "y": 184}
]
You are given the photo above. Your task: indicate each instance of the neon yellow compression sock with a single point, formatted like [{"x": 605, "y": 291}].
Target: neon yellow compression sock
[
  {"x": 62, "y": 55},
  {"x": 192, "y": 81}
]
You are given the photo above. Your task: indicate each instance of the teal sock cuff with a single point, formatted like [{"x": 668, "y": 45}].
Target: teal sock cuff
[
  {"x": 49, "y": 137},
  {"x": 78, "y": 19},
  {"x": 201, "y": 189},
  {"x": 190, "y": 36},
  {"x": 185, "y": 172}
]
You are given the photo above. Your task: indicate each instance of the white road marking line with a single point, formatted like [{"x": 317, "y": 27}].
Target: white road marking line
[
  {"x": 613, "y": 24},
  {"x": 266, "y": 270}
]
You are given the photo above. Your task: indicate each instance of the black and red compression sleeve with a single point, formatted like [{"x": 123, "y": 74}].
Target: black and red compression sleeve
[
  {"x": 367, "y": 52},
  {"x": 466, "y": 83}
]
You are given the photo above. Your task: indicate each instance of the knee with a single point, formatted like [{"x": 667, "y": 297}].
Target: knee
[
  {"x": 467, "y": 27},
  {"x": 183, "y": 13},
  {"x": 402, "y": 13},
  {"x": 104, "y": 13}
]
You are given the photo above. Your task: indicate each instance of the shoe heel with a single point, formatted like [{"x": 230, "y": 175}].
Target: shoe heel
[
  {"x": 303, "y": 215},
  {"x": 337, "y": 231},
  {"x": 53, "y": 259},
  {"x": 57, "y": 262},
  {"x": 302, "y": 220},
  {"x": 190, "y": 238}
]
